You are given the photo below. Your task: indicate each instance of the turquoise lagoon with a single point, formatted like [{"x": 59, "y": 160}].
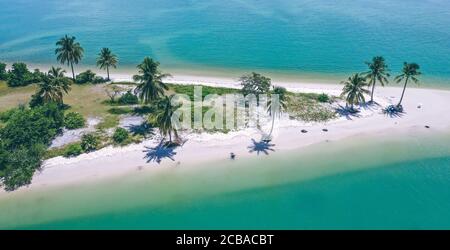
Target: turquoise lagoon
[{"x": 318, "y": 39}]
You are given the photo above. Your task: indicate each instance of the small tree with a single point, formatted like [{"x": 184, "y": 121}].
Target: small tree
[
  {"x": 255, "y": 83},
  {"x": 113, "y": 92}
]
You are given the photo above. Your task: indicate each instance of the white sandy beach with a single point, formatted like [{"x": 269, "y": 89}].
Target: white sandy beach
[{"x": 200, "y": 149}]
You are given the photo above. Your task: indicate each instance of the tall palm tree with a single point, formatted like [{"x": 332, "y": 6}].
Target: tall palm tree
[
  {"x": 279, "y": 107},
  {"x": 150, "y": 86},
  {"x": 354, "y": 90},
  {"x": 409, "y": 71},
  {"x": 53, "y": 86},
  {"x": 106, "y": 59},
  {"x": 69, "y": 52},
  {"x": 163, "y": 118},
  {"x": 378, "y": 71}
]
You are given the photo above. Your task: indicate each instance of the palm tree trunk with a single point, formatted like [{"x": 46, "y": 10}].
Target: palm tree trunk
[
  {"x": 73, "y": 72},
  {"x": 107, "y": 71},
  {"x": 170, "y": 136},
  {"x": 373, "y": 90},
  {"x": 403, "y": 93},
  {"x": 271, "y": 129}
]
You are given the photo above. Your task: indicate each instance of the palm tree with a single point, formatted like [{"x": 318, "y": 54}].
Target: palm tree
[
  {"x": 53, "y": 86},
  {"x": 279, "y": 107},
  {"x": 354, "y": 90},
  {"x": 163, "y": 118},
  {"x": 106, "y": 59},
  {"x": 378, "y": 71},
  {"x": 150, "y": 85},
  {"x": 69, "y": 52},
  {"x": 410, "y": 71}
]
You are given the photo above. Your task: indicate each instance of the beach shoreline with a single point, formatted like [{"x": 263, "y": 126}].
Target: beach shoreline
[{"x": 423, "y": 108}]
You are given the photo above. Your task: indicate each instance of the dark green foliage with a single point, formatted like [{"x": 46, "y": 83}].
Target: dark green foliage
[
  {"x": 89, "y": 142},
  {"x": 88, "y": 77},
  {"x": 20, "y": 166},
  {"x": 23, "y": 140},
  {"x": 28, "y": 127},
  {"x": 73, "y": 150},
  {"x": 3, "y": 73},
  {"x": 255, "y": 83},
  {"x": 19, "y": 75},
  {"x": 323, "y": 98},
  {"x": 36, "y": 100},
  {"x": 5, "y": 116},
  {"x": 120, "y": 135},
  {"x": 128, "y": 99},
  {"x": 74, "y": 120}
]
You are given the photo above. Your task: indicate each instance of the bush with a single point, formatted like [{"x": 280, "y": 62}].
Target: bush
[
  {"x": 27, "y": 127},
  {"x": 23, "y": 141},
  {"x": 73, "y": 150},
  {"x": 74, "y": 120},
  {"x": 89, "y": 143},
  {"x": 3, "y": 73},
  {"x": 88, "y": 77},
  {"x": 20, "y": 166},
  {"x": 120, "y": 135},
  {"x": 19, "y": 75},
  {"x": 128, "y": 99},
  {"x": 323, "y": 98}
]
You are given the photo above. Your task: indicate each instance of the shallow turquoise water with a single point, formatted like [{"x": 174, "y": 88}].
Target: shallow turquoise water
[
  {"x": 323, "y": 37},
  {"x": 407, "y": 195},
  {"x": 382, "y": 184}
]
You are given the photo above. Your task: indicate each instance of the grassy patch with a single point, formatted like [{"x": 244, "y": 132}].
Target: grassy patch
[
  {"x": 55, "y": 152},
  {"x": 109, "y": 121},
  {"x": 306, "y": 107},
  {"x": 12, "y": 97},
  {"x": 206, "y": 90}
]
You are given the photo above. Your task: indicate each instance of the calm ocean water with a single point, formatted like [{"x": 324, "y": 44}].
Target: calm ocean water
[
  {"x": 384, "y": 183},
  {"x": 286, "y": 36}
]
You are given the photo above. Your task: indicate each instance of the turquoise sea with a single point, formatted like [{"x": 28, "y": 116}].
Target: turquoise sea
[
  {"x": 305, "y": 38},
  {"x": 363, "y": 183}
]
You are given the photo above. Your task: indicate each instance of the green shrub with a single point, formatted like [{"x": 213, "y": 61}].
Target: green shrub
[
  {"x": 120, "y": 135},
  {"x": 3, "y": 73},
  {"x": 73, "y": 150},
  {"x": 74, "y": 120},
  {"x": 26, "y": 127},
  {"x": 89, "y": 143},
  {"x": 19, "y": 75},
  {"x": 128, "y": 99},
  {"x": 323, "y": 98},
  {"x": 88, "y": 77}
]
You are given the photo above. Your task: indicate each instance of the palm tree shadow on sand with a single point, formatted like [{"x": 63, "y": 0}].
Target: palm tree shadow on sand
[
  {"x": 346, "y": 112},
  {"x": 161, "y": 151},
  {"x": 261, "y": 147},
  {"x": 394, "y": 111},
  {"x": 143, "y": 129}
]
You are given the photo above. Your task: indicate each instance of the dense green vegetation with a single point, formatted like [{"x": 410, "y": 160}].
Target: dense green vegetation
[
  {"x": 74, "y": 120},
  {"x": 120, "y": 135},
  {"x": 89, "y": 77},
  {"x": 24, "y": 138}
]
